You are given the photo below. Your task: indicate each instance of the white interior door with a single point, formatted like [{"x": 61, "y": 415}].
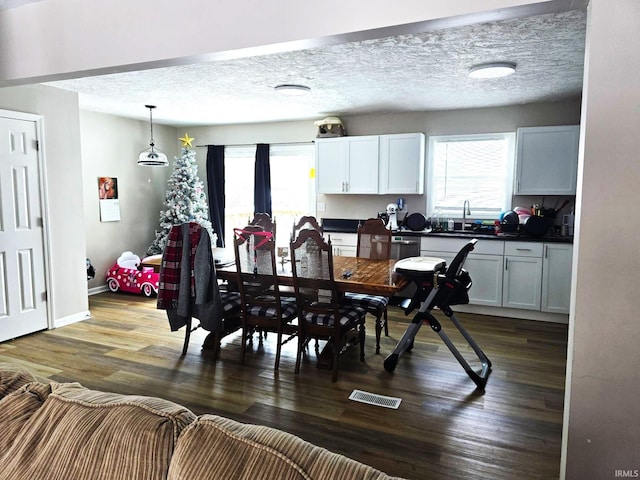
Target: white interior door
[{"x": 23, "y": 303}]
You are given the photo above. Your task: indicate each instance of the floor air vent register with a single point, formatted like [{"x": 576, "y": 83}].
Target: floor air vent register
[{"x": 375, "y": 399}]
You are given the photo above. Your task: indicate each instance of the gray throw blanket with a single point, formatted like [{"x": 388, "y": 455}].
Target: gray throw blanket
[{"x": 202, "y": 302}]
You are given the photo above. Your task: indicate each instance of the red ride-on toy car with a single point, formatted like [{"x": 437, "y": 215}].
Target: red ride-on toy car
[{"x": 127, "y": 275}]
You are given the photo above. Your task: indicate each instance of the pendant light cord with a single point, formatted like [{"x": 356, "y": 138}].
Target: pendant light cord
[{"x": 152, "y": 143}]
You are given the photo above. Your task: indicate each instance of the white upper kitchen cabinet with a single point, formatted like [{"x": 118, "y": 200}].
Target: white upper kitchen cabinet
[
  {"x": 547, "y": 160},
  {"x": 347, "y": 164},
  {"x": 402, "y": 163}
]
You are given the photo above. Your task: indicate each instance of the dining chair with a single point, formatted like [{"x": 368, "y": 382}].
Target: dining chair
[
  {"x": 374, "y": 241},
  {"x": 199, "y": 301},
  {"x": 231, "y": 303},
  {"x": 263, "y": 308},
  {"x": 321, "y": 314},
  {"x": 265, "y": 221},
  {"x": 304, "y": 223}
]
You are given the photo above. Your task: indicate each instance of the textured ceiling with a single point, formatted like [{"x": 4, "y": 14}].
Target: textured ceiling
[{"x": 413, "y": 72}]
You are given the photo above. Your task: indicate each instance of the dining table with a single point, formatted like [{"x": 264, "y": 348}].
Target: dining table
[{"x": 351, "y": 274}]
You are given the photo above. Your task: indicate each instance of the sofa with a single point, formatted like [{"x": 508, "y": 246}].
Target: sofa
[{"x": 64, "y": 431}]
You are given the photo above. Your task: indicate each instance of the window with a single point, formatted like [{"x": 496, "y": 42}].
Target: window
[
  {"x": 292, "y": 188},
  {"x": 478, "y": 168}
]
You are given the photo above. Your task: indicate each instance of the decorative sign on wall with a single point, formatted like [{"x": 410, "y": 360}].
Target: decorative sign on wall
[{"x": 109, "y": 203}]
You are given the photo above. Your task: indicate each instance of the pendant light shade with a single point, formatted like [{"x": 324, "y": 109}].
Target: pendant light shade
[{"x": 152, "y": 157}]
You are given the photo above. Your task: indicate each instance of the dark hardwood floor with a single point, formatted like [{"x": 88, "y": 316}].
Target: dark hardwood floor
[{"x": 444, "y": 428}]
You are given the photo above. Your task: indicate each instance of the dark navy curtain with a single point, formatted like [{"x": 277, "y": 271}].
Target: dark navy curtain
[
  {"x": 262, "y": 185},
  {"x": 215, "y": 189}
]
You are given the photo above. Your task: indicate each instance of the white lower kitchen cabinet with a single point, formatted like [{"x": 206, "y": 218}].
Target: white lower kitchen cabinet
[
  {"x": 485, "y": 272},
  {"x": 521, "y": 283},
  {"x": 446, "y": 256},
  {"x": 484, "y": 265},
  {"x": 512, "y": 276},
  {"x": 344, "y": 244},
  {"x": 556, "y": 277},
  {"x": 486, "y": 275},
  {"x": 344, "y": 251},
  {"x": 522, "y": 275}
]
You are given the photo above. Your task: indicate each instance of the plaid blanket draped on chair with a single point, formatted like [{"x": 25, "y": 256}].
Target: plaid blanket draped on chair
[{"x": 188, "y": 286}]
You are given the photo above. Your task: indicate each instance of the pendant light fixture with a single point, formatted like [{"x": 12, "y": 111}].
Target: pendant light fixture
[{"x": 152, "y": 157}]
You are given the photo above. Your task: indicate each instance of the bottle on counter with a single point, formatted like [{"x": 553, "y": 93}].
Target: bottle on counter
[
  {"x": 435, "y": 225},
  {"x": 450, "y": 225}
]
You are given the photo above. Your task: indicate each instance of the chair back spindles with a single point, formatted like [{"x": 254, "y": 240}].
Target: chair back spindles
[
  {"x": 321, "y": 312},
  {"x": 374, "y": 240},
  {"x": 306, "y": 222},
  {"x": 264, "y": 221},
  {"x": 263, "y": 309}
]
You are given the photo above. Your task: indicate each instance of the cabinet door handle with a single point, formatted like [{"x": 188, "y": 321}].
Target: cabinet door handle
[
  {"x": 346, "y": 186},
  {"x": 523, "y": 249},
  {"x": 506, "y": 264},
  {"x": 546, "y": 251}
]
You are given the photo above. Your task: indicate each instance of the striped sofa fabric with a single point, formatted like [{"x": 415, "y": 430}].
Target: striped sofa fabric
[{"x": 63, "y": 431}]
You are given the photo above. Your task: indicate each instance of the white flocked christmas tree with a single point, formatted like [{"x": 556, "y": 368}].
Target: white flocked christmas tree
[{"x": 185, "y": 200}]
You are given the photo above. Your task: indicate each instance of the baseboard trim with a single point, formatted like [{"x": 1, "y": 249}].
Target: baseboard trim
[
  {"x": 513, "y": 313},
  {"x": 76, "y": 317},
  {"x": 100, "y": 289}
]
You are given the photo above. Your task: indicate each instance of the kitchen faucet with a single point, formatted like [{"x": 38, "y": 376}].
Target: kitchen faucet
[{"x": 465, "y": 211}]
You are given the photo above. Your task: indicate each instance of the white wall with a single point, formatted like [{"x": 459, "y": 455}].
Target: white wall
[
  {"x": 52, "y": 38},
  {"x": 450, "y": 122},
  {"x": 110, "y": 147},
  {"x": 602, "y": 407},
  {"x": 59, "y": 109}
]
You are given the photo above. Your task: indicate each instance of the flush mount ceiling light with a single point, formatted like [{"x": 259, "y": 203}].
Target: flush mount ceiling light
[
  {"x": 292, "y": 89},
  {"x": 492, "y": 70},
  {"x": 152, "y": 157}
]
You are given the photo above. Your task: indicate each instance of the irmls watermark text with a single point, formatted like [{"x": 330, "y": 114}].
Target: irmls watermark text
[{"x": 629, "y": 473}]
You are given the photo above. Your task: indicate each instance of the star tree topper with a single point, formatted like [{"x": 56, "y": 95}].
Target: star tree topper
[{"x": 186, "y": 140}]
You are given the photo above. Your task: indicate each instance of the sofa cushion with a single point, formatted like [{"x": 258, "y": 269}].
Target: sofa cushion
[
  {"x": 220, "y": 448},
  {"x": 83, "y": 434},
  {"x": 12, "y": 377},
  {"x": 17, "y": 408}
]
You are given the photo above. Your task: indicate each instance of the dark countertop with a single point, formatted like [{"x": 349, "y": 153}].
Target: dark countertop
[
  {"x": 507, "y": 237},
  {"x": 351, "y": 226}
]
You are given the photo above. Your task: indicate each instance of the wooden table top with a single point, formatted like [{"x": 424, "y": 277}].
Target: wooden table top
[{"x": 375, "y": 277}]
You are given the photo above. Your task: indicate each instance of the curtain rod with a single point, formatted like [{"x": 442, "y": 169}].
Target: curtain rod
[{"x": 253, "y": 144}]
